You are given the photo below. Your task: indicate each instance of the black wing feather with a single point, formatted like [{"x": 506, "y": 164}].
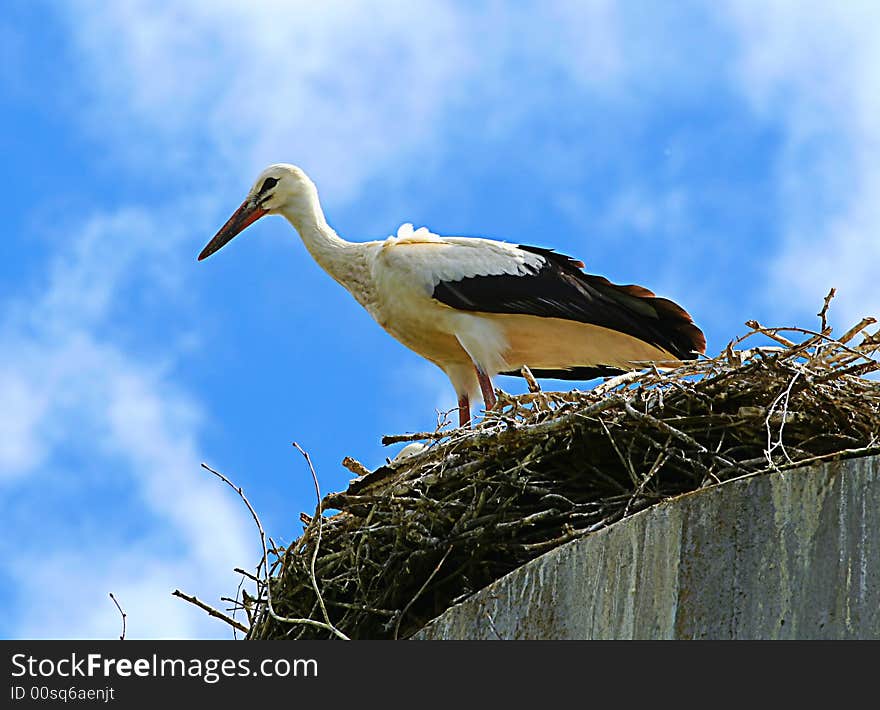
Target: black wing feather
[{"x": 559, "y": 289}]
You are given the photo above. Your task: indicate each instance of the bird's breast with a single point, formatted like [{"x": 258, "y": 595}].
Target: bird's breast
[{"x": 410, "y": 315}]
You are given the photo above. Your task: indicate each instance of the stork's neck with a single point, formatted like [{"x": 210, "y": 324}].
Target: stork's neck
[{"x": 343, "y": 260}]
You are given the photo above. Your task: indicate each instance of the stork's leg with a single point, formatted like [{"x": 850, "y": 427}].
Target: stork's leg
[
  {"x": 464, "y": 411},
  {"x": 487, "y": 389}
]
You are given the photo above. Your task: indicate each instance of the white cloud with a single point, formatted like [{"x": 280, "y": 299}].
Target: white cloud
[
  {"x": 20, "y": 450},
  {"x": 815, "y": 67},
  {"x": 126, "y": 250},
  {"x": 340, "y": 87},
  {"x": 350, "y": 90},
  {"x": 66, "y": 595},
  {"x": 90, "y": 428},
  {"x": 638, "y": 209}
]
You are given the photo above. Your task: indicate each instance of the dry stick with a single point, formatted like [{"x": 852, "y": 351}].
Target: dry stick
[
  {"x": 795, "y": 348},
  {"x": 769, "y": 332},
  {"x": 247, "y": 605},
  {"x": 843, "y": 453},
  {"x": 867, "y": 347},
  {"x": 856, "y": 329},
  {"x": 389, "y": 439},
  {"x": 626, "y": 463},
  {"x": 421, "y": 589},
  {"x": 871, "y": 341},
  {"x": 664, "y": 427},
  {"x": 319, "y": 515},
  {"x": 614, "y": 382},
  {"x": 672, "y": 431},
  {"x": 824, "y": 312},
  {"x": 355, "y": 466},
  {"x": 238, "y": 605},
  {"x": 217, "y": 614},
  {"x": 771, "y": 447},
  {"x": 124, "y": 615},
  {"x": 658, "y": 462},
  {"x": 264, "y": 562},
  {"x": 530, "y": 379},
  {"x": 245, "y": 573},
  {"x": 860, "y": 369}
]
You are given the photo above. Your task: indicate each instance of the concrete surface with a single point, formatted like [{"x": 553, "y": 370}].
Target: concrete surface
[{"x": 791, "y": 555}]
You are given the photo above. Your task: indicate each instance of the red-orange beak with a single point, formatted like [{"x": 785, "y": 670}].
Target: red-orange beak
[{"x": 245, "y": 215}]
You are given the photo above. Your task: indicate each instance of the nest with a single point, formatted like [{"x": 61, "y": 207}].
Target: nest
[{"x": 426, "y": 531}]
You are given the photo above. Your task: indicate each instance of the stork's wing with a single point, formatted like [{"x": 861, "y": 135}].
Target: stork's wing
[
  {"x": 429, "y": 259},
  {"x": 552, "y": 285}
]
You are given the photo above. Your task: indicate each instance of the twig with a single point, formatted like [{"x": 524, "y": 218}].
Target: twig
[
  {"x": 421, "y": 589},
  {"x": 216, "y": 613},
  {"x": 122, "y": 613},
  {"x": 769, "y": 332},
  {"x": 319, "y": 517},
  {"x": 355, "y": 466},
  {"x": 616, "y": 381},
  {"x": 245, "y": 573},
  {"x": 830, "y": 456},
  {"x": 794, "y": 348},
  {"x": 264, "y": 562},
  {"x": 672, "y": 431},
  {"x": 239, "y": 592},
  {"x": 530, "y": 379},
  {"x": 389, "y": 439},
  {"x": 856, "y": 329},
  {"x": 623, "y": 460},
  {"x": 658, "y": 462},
  {"x": 824, "y": 312},
  {"x": 771, "y": 447}
]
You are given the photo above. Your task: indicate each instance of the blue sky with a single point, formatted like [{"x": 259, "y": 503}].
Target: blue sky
[{"x": 724, "y": 154}]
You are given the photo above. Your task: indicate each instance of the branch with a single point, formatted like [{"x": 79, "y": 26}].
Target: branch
[
  {"x": 353, "y": 465},
  {"x": 530, "y": 379},
  {"x": 123, "y": 614},
  {"x": 824, "y": 312},
  {"x": 421, "y": 589},
  {"x": 319, "y": 516},
  {"x": 264, "y": 562},
  {"x": 217, "y": 614},
  {"x": 389, "y": 439}
]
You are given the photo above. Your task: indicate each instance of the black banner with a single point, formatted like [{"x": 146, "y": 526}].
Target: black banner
[
  {"x": 124, "y": 673},
  {"x": 131, "y": 673}
]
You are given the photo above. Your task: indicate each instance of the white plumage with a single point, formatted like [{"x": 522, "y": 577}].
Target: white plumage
[{"x": 477, "y": 307}]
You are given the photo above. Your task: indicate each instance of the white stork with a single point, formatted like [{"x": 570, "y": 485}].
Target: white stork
[{"x": 478, "y": 307}]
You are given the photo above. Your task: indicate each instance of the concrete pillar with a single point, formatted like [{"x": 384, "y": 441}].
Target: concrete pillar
[{"x": 788, "y": 555}]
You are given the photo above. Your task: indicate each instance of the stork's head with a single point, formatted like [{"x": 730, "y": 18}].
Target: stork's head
[{"x": 279, "y": 188}]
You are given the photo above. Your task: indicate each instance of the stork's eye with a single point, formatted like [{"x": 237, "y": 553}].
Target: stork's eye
[{"x": 268, "y": 184}]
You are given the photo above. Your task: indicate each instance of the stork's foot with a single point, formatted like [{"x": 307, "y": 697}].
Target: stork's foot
[
  {"x": 464, "y": 411},
  {"x": 488, "y": 391}
]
